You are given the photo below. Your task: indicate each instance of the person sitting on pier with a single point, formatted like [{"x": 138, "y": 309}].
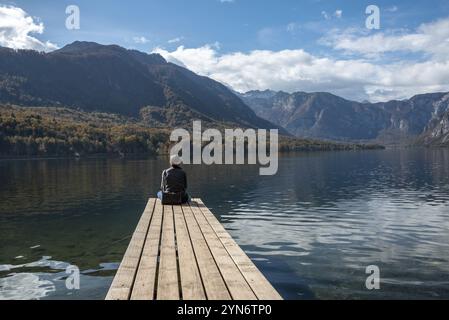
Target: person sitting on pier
[{"x": 174, "y": 184}]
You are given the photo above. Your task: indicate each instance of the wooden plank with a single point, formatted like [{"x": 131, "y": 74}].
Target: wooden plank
[
  {"x": 168, "y": 286},
  {"x": 145, "y": 281},
  {"x": 236, "y": 283},
  {"x": 187, "y": 254},
  {"x": 213, "y": 282},
  {"x": 259, "y": 284},
  {"x": 191, "y": 283},
  {"x": 123, "y": 281}
]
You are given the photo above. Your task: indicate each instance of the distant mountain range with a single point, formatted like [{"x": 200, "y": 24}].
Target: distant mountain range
[
  {"x": 423, "y": 118},
  {"x": 109, "y": 78}
]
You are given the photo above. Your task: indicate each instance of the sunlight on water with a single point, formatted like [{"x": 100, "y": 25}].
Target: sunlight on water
[
  {"x": 24, "y": 286},
  {"x": 48, "y": 278}
]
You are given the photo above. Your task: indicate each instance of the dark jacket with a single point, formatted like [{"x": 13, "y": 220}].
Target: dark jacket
[{"x": 174, "y": 179}]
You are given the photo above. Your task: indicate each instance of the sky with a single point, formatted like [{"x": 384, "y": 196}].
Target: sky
[{"x": 289, "y": 45}]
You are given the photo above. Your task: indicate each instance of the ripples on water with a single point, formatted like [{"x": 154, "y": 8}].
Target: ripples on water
[{"x": 312, "y": 229}]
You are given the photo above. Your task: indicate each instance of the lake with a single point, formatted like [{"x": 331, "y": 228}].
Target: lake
[{"x": 312, "y": 229}]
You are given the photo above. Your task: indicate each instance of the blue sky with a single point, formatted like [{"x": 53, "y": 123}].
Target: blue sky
[
  {"x": 239, "y": 25},
  {"x": 222, "y": 34}
]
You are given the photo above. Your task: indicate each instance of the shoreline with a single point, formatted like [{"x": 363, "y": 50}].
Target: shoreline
[{"x": 155, "y": 156}]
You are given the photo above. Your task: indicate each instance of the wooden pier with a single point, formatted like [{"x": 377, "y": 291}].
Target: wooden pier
[{"x": 184, "y": 253}]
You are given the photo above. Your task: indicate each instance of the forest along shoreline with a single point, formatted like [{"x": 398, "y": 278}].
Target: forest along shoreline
[{"x": 54, "y": 132}]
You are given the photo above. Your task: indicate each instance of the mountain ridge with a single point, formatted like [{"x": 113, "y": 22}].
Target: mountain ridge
[
  {"x": 323, "y": 115},
  {"x": 109, "y": 78}
]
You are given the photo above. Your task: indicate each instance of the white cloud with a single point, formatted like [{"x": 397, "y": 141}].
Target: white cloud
[
  {"x": 298, "y": 70},
  {"x": 392, "y": 9},
  {"x": 17, "y": 28},
  {"x": 328, "y": 16},
  {"x": 175, "y": 40},
  {"x": 338, "y": 13},
  {"x": 431, "y": 38},
  {"x": 141, "y": 40},
  {"x": 325, "y": 15},
  {"x": 293, "y": 27}
]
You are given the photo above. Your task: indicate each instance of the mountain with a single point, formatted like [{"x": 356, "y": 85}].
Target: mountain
[
  {"x": 437, "y": 132},
  {"x": 326, "y": 116},
  {"x": 109, "y": 78}
]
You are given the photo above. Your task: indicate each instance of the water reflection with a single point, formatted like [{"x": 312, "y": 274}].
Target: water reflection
[{"x": 312, "y": 228}]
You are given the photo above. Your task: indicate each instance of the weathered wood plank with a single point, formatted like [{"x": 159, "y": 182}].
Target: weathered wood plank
[
  {"x": 236, "y": 283},
  {"x": 191, "y": 283},
  {"x": 123, "y": 281},
  {"x": 183, "y": 252},
  {"x": 212, "y": 280},
  {"x": 168, "y": 285},
  {"x": 259, "y": 284},
  {"x": 145, "y": 281}
]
